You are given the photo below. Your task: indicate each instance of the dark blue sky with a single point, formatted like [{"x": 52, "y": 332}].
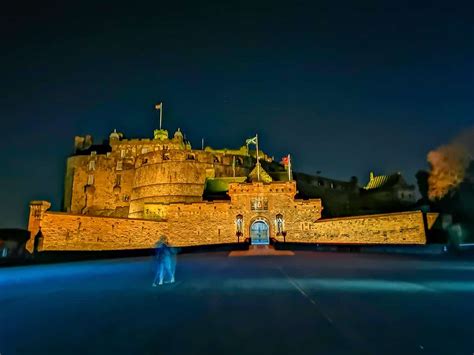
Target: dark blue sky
[{"x": 345, "y": 87}]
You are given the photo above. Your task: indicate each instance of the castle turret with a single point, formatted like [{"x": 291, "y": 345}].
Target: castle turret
[
  {"x": 166, "y": 176},
  {"x": 82, "y": 143},
  {"x": 160, "y": 134},
  {"x": 178, "y": 134},
  {"x": 37, "y": 211},
  {"x": 115, "y": 136}
]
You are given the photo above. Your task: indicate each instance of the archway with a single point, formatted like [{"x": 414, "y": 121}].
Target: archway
[{"x": 259, "y": 233}]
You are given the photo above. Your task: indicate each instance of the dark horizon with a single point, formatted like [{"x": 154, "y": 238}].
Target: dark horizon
[{"x": 345, "y": 89}]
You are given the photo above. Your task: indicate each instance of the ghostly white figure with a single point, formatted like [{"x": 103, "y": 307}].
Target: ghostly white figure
[{"x": 166, "y": 262}]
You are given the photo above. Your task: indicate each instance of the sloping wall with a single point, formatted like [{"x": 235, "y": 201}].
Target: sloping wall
[{"x": 390, "y": 228}]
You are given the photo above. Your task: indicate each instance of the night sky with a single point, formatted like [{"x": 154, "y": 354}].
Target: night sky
[{"x": 344, "y": 88}]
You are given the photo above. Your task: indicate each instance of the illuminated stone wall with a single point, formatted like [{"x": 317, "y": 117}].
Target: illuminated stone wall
[
  {"x": 390, "y": 228},
  {"x": 65, "y": 231},
  {"x": 78, "y": 232},
  {"x": 98, "y": 188},
  {"x": 205, "y": 223}
]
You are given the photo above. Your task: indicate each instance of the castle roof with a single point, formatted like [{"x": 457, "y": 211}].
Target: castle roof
[
  {"x": 264, "y": 176},
  {"x": 385, "y": 181}
]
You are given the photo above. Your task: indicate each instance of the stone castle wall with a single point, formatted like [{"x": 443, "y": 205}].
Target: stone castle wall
[
  {"x": 78, "y": 232},
  {"x": 390, "y": 228},
  {"x": 98, "y": 187},
  {"x": 207, "y": 223},
  {"x": 65, "y": 231}
]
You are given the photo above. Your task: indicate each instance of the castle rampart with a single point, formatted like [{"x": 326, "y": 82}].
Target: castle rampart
[{"x": 214, "y": 223}]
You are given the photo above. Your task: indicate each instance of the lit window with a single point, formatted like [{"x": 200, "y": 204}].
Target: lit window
[
  {"x": 90, "y": 180},
  {"x": 119, "y": 165},
  {"x": 118, "y": 180},
  {"x": 144, "y": 150},
  {"x": 122, "y": 153},
  {"x": 92, "y": 165}
]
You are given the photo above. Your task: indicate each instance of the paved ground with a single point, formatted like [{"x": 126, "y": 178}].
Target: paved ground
[{"x": 310, "y": 303}]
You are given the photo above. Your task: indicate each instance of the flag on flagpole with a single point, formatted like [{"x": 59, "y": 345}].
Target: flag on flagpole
[
  {"x": 253, "y": 140},
  {"x": 289, "y": 168},
  {"x": 286, "y": 161},
  {"x": 160, "y": 107}
]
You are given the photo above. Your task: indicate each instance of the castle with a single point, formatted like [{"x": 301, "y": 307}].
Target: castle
[
  {"x": 132, "y": 178},
  {"x": 126, "y": 193}
]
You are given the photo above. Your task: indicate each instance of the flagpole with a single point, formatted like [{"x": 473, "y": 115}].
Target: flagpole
[
  {"x": 258, "y": 162},
  {"x": 161, "y": 113},
  {"x": 289, "y": 167},
  {"x": 202, "y": 143}
]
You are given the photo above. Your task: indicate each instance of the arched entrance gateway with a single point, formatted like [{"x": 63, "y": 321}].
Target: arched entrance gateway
[{"x": 259, "y": 233}]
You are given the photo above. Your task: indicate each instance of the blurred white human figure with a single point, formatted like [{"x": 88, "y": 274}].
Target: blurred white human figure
[{"x": 166, "y": 262}]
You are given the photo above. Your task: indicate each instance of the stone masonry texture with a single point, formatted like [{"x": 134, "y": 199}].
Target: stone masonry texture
[{"x": 204, "y": 223}]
